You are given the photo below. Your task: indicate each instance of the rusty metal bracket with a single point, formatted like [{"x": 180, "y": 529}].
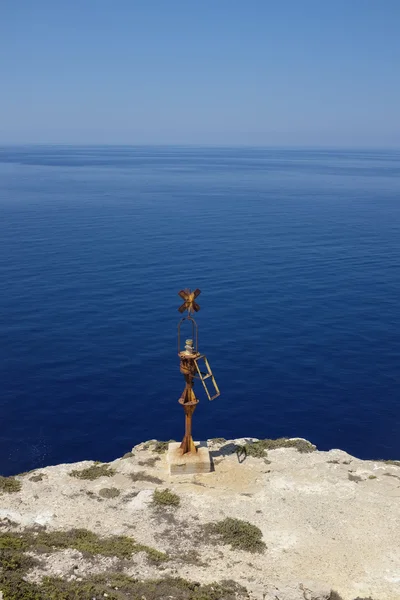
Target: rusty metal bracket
[{"x": 204, "y": 375}]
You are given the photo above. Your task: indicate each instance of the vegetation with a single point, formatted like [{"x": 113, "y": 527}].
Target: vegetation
[
  {"x": 109, "y": 492},
  {"x": 12, "y": 546},
  {"x": 143, "y": 476},
  {"x": 335, "y": 596},
  {"x": 128, "y": 455},
  {"x": 94, "y": 472},
  {"x": 218, "y": 440},
  {"x": 38, "y": 477},
  {"x": 161, "y": 447},
  {"x": 258, "y": 449},
  {"x": 165, "y": 498},
  {"x": 9, "y": 485},
  {"x": 392, "y": 475},
  {"x": 117, "y": 586},
  {"x": 241, "y": 535},
  {"x": 153, "y": 556},
  {"x": 149, "y": 462},
  {"x": 353, "y": 477}
]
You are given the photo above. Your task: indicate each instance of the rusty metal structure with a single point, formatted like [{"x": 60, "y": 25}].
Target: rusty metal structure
[{"x": 193, "y": 365}]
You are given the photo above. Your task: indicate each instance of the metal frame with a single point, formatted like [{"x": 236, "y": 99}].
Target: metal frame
[
  {"x": 195, "y": 333},
  {"x": 203, "y": 376}
]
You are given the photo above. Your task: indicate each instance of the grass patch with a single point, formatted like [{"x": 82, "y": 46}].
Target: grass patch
[
  {"x": 143, "y": 476},
  {"x": 149, "y": 462},
  {"x": 114, "y": 586},
  {"x": 9, "y": 485},
  {"x": 355, "y": 478},
  {"x": 165, "y": 498},
  {"x": 85, "y": 541},
  {"x": 372, "y": 477},
  {"x": 257, "y": 449},
  {"x": 94, "y": 472},
  {"x": 127, "y": 455},
  {"x": 396, "y": 463},
  {"x": 392, "y": 475},
  {"x": 109, "y": 492},
  {"x": 153, "y": 556},
  {"x": 241, "y": 535},
  {"x": 218, "y": 440},
  {"x": 82, "y": 540},
  {"x": 38, "y": 477},
  {"x": 161, "y": 447},
  {"x": 121, "y": 587}
]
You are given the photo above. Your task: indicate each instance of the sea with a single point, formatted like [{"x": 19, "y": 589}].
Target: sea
[{"x": 296, "y": 253}]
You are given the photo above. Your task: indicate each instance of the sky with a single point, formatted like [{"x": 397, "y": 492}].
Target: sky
[{"x": 209, "y": 72}]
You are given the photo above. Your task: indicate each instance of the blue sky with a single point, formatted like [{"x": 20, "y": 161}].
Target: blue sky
[{"x": 270, "y": 72}]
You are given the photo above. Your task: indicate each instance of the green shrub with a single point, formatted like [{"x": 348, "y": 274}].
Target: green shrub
[
  {"x": 142, "y": 476},
  {"x": 38, "y": 477},
  {"x": 165, "y": 498},
  {"x": 94, "y": 472},
  {"x": 239, "y": 534},
  {"x": 121, "y": 587},
  {"x": 161, "y": 447},
  {"x": 9, "y": 485},
  {"x": 257, "y": 449},
  {"x": 109, "y": 492},
  {"x": 149, "y": 462},
  {"x": 128, "y": 455}
]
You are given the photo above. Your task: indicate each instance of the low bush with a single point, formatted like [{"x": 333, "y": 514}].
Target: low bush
[
  {"x": 165, "y": 498},
  {"x": 9, "y": 485},
  {"x": 241, "y": 535},
  {"x": 94, "y": 472}
]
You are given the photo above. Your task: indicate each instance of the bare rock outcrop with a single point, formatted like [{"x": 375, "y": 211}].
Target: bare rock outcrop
[{"x": 277, "y": 520}]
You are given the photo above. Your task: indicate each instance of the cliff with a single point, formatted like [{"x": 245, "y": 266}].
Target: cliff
[{"x": 275, "y": 520}]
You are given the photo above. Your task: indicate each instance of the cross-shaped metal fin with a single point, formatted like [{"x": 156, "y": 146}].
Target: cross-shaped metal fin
[{"x": 189, "y": 303}]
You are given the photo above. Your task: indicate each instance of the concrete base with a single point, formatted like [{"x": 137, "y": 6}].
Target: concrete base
[{"x": 188, "y": 464}]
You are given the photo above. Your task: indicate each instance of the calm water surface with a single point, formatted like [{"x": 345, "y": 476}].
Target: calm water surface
[{"x": 297, "y": 256}]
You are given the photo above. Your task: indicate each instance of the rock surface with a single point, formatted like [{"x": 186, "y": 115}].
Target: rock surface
[{"x": 329, "y": 520}]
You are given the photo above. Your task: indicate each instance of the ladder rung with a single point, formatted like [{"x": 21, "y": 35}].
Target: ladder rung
[{"x": 205, "y": 376}]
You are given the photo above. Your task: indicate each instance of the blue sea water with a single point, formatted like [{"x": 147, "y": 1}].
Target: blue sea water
[{"x": 297, "y": 256}]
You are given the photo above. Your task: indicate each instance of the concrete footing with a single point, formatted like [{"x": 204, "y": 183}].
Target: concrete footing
[{"x": 188, "y": 464}]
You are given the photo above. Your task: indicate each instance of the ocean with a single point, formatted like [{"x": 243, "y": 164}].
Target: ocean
[{"x": 296, "y": 253}]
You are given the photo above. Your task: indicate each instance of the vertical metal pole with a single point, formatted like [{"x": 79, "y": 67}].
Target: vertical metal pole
[{"x": 189, "y": 402}]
